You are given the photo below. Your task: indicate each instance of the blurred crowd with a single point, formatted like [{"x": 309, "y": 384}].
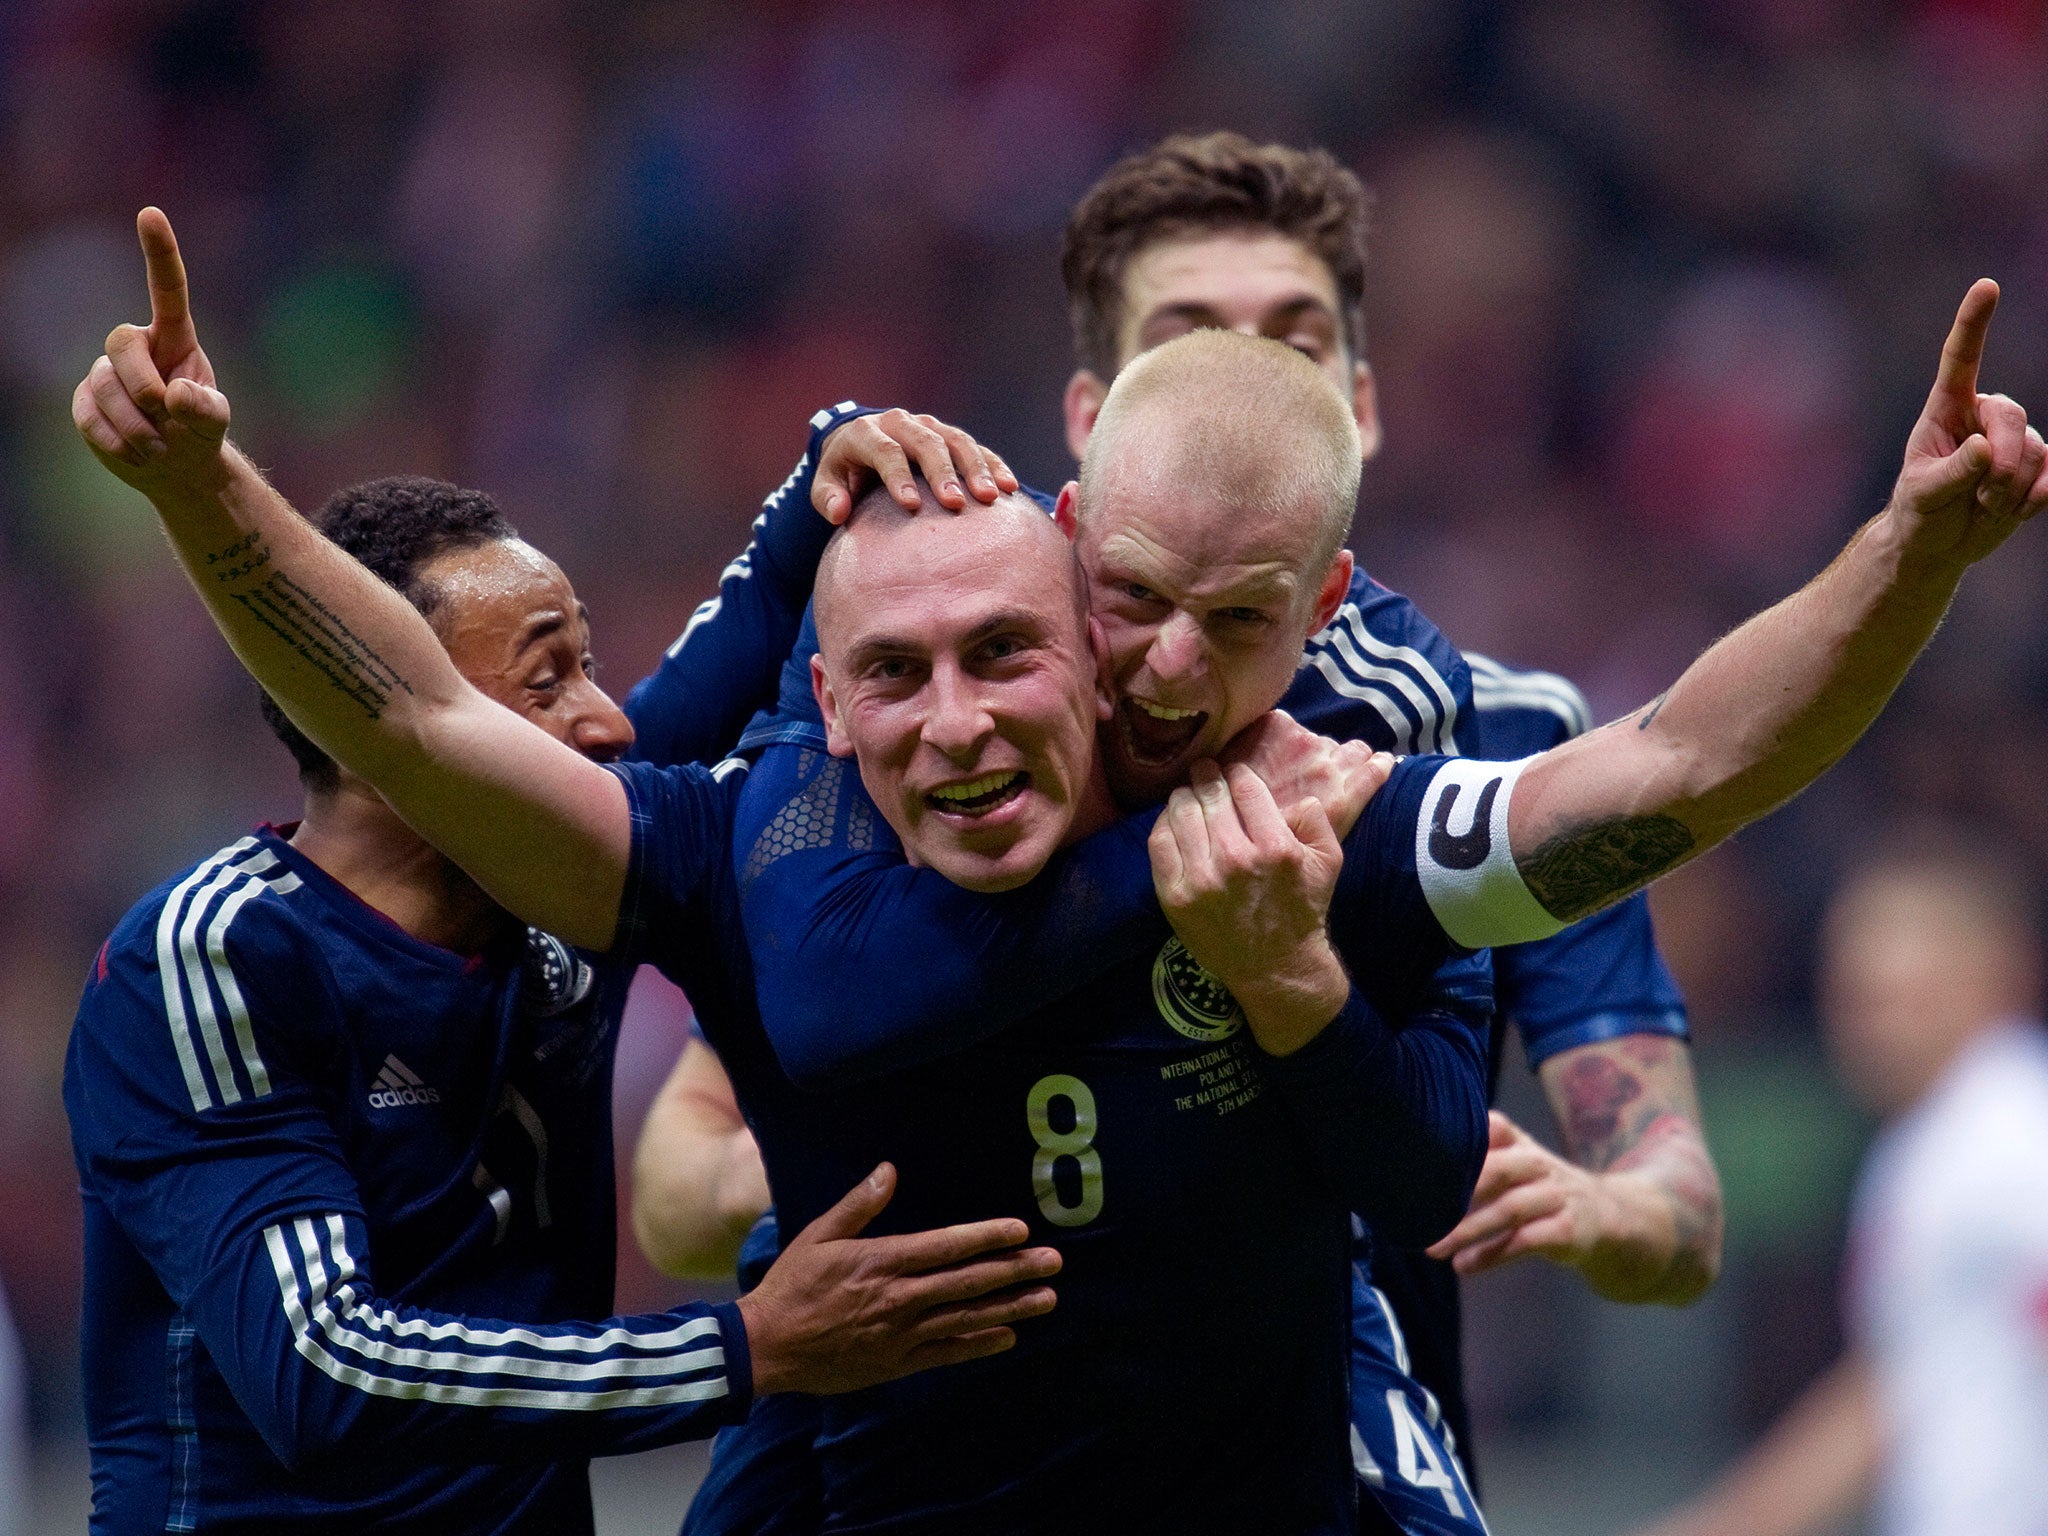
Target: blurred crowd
[{"x": 1654, "y": 292}]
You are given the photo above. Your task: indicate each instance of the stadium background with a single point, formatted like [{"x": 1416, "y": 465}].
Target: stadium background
[{"x": 1655, "y": 290}]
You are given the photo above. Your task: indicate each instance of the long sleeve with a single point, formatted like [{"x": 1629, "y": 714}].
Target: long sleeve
[
  {"x": 834, "y": 913},
  {"x": 1394, "y": 1114},
  {"x": 327, "y": 1367},
  {"x": 211, "y": 1097},
  {"x": 725, "y": 664}
]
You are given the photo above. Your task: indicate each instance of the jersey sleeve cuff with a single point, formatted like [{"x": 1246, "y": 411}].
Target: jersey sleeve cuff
[
  {"x": 793, "y": 536},
  {"x": 739, "y": 1358},
  {"x": 1610, "y": 1024},
  {"x": 1331, "y": 1062}
]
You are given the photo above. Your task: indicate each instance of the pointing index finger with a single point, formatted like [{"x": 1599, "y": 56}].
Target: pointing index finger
[
  {"x": 170, "y": 307},
  {"x": 1955, "y": 383}
]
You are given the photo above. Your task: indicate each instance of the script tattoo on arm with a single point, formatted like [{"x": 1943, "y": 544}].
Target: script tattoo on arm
[
  {"x": 295, "y": 616},
  {"x": 1579, "y": 872}
]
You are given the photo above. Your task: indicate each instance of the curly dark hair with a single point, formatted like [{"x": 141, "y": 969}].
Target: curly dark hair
[
  {"x": 1202, "y": 183},
  {"x": 394, "y": 526}
]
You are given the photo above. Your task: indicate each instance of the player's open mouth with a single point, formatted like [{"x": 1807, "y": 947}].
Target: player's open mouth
[
  {"x": 1156, "y": 734},
  {"x": 977, "y": 797}
]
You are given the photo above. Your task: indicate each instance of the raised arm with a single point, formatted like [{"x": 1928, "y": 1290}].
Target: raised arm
[
  {"x": 725, "y": 664},
  {"x": 1764, "y": 711},
  {"x": 541, "y": 827}
]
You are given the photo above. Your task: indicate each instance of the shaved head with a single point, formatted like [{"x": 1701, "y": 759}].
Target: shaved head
[
  {"x": 955, "y": 667},
  {"x": 1238, "y": 421},
  {"x": 880, "y": 537}
]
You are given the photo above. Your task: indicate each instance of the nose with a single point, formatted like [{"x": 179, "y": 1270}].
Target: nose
[
  {"x": 957, "y": 721},
  {"x": 600, "y": 729},
  {"x": 1178, "y": 652}
]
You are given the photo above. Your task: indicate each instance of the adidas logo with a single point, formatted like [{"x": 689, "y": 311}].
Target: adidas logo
[{"x": 398, "y": 1085}]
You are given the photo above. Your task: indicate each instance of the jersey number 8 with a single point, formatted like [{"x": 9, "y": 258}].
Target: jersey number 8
[{"x": 1077, "y": 1143}]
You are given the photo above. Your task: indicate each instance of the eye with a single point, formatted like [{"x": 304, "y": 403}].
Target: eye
[
  {"x": 1244, "y": 615},
  {"x": 891, "y": 669},
  {"x": 590, "y": 665},
  {"x": 1002, "y": 648},
  {"x": 1138, "y": 592},
  {"x": 546, "y": 682}
]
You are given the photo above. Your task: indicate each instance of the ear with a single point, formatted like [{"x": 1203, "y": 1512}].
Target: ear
[
  {"x": 1335, "y": 586},
  {"x": 1066, "y": 512},
  {"x": 837, "y": 742},
  {"x": 1105, "y": 671},
  {"x": 1085, "y": 394},
  {"x": 1365, "y": 410}
]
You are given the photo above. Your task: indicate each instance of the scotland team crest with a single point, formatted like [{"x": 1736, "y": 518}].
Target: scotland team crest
[
  {"x": 555, "y": 978},
  {"x": 1190, "y": 999}
]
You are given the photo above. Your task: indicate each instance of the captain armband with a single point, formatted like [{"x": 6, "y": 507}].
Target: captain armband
[{"x": 1467, "y": 871}]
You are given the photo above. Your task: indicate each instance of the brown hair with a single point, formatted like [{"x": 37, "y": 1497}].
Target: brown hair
[{"x": 1195, "y": 183}]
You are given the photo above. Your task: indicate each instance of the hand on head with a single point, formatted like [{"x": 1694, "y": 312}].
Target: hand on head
[
  {"x": 882, "y": 448},
  {"x": 148, "y": 408}
]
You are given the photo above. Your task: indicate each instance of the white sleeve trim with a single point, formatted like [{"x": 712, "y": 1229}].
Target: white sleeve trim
[{"x": 1467, "y": 870}]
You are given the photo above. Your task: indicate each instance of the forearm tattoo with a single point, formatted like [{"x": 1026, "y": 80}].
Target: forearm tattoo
[
  {"x": 1628, "y": 1106},
  {"x": 1579, "y": 872},
  {"x": 308, "y": 626}
]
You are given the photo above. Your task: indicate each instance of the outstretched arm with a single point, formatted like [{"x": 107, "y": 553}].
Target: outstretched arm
[
  {"x": 541, "y": 827},
  {"x": 1764, "y": 711}
]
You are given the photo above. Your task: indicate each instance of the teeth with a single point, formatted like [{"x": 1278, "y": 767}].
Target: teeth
[
  {"x": 1161, "y": 712},
  {"x": 974, "y": 789}
]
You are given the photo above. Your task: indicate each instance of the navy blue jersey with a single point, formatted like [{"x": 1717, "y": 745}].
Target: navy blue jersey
[
  {"x": 1130, "y": 1121},
  {"x": 345, "y": 1194}
]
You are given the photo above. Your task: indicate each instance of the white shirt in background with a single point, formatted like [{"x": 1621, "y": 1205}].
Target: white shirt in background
[{"x": 1949, "y": 1295}]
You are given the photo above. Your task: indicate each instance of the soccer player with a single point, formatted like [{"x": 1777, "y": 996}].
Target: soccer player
[
  {"x": 565, "y": 843},
  {"x": 1931, "y": 999},
  {"x": 1217, "y": 231},
  {"x": 343, "y": 1131}
]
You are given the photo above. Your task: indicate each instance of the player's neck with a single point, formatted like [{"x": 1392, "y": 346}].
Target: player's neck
[
  {"x": 1096, "y": 807},
  {"x": 360, "y": 841}
]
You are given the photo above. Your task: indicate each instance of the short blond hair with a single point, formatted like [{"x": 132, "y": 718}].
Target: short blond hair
[{"x": 1251, "y": 421}]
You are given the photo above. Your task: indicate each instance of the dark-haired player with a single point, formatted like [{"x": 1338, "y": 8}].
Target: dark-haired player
[{"x": 344, "y": 1139}]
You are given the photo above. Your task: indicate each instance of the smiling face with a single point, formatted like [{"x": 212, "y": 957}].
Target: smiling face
[
  {"x": 512, "y": 625},
  {"x": 955, "y": 667}
]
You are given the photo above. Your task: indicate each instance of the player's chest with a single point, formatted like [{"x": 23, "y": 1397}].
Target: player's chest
[
  {"x": 1135, "y": 1101},
  {"x": 475, "y": 1104}
]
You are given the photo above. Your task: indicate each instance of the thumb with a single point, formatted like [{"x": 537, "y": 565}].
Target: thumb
[
  {"x": 1946, "y": 476},
  {"x": 856, "y": 1208},
  {"x": 1500, "y": 1130},
  {"x": 199, "y": 408}
]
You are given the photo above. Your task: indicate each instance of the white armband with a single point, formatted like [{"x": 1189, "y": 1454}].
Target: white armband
[{"x": 1461, "y": 854}]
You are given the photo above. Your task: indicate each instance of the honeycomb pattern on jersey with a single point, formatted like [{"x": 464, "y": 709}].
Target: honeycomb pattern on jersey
[
  {"x": 860, "y": 824},
  {"x": 805, "y": 822}
]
